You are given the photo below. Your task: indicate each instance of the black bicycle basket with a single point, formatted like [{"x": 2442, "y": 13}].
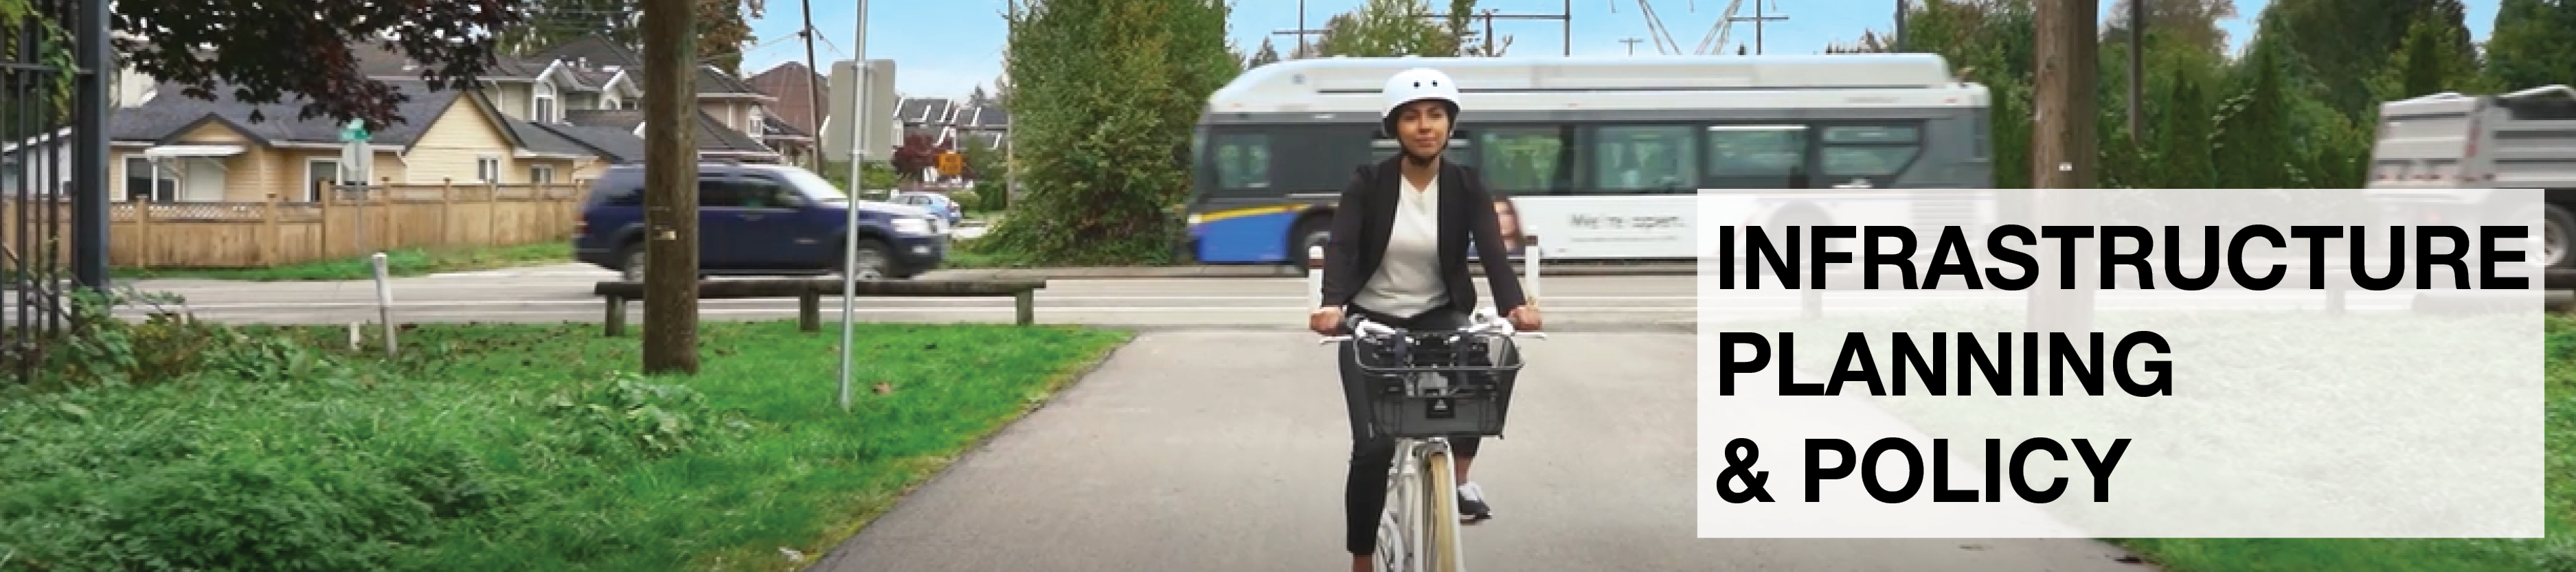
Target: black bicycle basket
[{"x": 1439, "y": 383}]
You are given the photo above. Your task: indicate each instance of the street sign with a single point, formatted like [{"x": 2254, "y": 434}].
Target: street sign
[
  {"x": 952, "y": 163},
  {"x": 354, "y": 132}
]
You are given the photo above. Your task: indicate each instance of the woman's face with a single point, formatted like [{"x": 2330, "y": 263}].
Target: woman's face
[
  {"x": 1509, "y": 221},
  {"x": 1423, "y": 127}
]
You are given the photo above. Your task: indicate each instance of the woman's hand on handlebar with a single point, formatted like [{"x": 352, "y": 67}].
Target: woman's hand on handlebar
[
  {"x": 1525, "y": 318},
  {"x": 1326, "y": 321}
]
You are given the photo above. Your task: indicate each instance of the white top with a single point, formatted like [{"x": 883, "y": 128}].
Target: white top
[{"x": 1407, "y": 282}]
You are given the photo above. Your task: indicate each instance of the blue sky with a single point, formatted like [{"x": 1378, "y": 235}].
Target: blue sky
[{"x": 947, "y": 47}]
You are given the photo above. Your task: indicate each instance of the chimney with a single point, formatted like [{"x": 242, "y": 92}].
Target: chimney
[{"x": 581, "y": 63}]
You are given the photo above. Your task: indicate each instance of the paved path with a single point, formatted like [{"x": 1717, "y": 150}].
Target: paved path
[{"x": 1225, "y": 450}]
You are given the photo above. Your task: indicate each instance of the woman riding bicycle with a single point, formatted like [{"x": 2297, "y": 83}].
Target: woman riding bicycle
[{"x": 1398, "y": 256}]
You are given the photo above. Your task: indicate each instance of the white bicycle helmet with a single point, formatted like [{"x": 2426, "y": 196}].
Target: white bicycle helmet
[{"x": 1413, "y": 85}]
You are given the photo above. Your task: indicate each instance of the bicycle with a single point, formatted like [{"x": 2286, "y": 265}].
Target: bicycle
[{"x": 1415, "y": 402}]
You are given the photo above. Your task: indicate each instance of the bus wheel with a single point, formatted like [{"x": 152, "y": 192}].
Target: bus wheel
[
  {"x": 2557, "y": 232},
  {"x": 1310, "y": 233}
]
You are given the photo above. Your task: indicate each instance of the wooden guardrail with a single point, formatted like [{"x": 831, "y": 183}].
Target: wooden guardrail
[{"x": 809, "y": 293}]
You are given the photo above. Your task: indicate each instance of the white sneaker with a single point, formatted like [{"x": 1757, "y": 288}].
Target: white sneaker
[{"x": 1471, "y": 503}]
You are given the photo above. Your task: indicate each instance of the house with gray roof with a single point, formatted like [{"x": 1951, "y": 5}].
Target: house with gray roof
[
  {"x": 173, "y": 148},
  {"x": 564, "y": 84},
  {"x": 956, "y": 124}
]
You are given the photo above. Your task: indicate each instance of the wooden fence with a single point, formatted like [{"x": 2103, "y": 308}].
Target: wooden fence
[{"x": 344, "y": 225}]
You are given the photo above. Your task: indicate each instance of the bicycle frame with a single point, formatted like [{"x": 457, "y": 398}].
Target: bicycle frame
[{"x": 1419, "y": 531}]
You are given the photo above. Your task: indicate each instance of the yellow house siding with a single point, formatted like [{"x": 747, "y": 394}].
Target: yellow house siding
[
  {"x": 454, "y": 142},
  {"x": 513, "y": 99},
  {"x": 727, "y": 112},
  {"x": 247, "y": 176},
  {"x": 293, "y": 166}
]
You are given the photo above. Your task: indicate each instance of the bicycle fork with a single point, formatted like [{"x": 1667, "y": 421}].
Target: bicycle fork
[{"x": 1412, "y": 509}]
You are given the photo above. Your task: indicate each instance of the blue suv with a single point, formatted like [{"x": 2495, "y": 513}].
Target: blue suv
[{"x": 760, "y": 220}]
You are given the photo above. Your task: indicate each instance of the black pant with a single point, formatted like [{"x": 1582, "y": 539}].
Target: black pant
[{"x": 1373, "y": 454}]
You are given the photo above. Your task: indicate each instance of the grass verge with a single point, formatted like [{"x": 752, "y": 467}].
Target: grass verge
[
  {"x": 500, "y": 447},
  {"x": 2245, "y": 347},
  {"x": 402, "y": 262}
]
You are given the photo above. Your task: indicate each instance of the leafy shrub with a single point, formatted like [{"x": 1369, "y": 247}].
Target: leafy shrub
[
  {"x": 100, "y": 350},
  {"x": 967, "y": 200},
  {"x": 627, "y": 414}
]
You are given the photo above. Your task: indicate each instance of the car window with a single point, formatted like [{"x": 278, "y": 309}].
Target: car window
[
  {"x": 725, "y": 193},
  {"x": 762, "y": 192}
]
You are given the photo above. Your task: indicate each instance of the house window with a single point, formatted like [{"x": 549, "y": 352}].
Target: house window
[
  {"x": 487, "y": 170},
  {"x": 543, "y": 110},
  {"x": 541, "y": 174},
  {"x": 320, "y": 175},
  {"x": 147, "y": 182}
]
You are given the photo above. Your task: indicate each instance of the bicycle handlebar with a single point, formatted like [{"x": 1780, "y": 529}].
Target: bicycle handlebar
[{"x": 1479, "y": 322}]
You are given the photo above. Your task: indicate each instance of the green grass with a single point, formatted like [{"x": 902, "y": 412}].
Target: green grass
[
  {"x": 2230, "y": 345},
  {"x": 399, "y": 263},
  {"x": 510, "y": 447}
]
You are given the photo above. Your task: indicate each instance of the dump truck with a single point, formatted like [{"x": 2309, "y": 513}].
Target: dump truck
[{"x": 2438, "y": 159}]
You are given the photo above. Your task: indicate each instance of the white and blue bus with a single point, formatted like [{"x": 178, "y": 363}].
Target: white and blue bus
[{"x": 1603, "y": 157}]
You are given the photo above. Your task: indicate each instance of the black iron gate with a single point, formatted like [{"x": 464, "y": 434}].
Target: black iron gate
[{"x": 53, "y": 109}]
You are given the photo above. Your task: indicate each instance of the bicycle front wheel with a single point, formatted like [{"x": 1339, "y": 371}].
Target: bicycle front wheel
[{"x": 1439, "y": 499}]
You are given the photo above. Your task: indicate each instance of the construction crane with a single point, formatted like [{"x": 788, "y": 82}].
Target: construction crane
[
  {"x": 1713, "y": 43},
  {"x": 1725, "y": 27},
  {"x": 1655, "y": 32}
]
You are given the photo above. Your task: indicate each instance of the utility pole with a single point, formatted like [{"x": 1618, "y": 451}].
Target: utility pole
[
  {"x": 89, "y": 224},
  {"x": 1632, "y": 44},
  {"x": 813, "y": 111},
  {"x": 1901, "y": 8},
  {"x": 1758, "y": 19},
  {"x": 2137, "y": 66},
  {"x": 2063, "y": 146},
  {"x": 670, "y": 189}
]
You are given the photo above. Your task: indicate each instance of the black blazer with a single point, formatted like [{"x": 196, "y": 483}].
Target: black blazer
[{"x": 1358, "y": 241}]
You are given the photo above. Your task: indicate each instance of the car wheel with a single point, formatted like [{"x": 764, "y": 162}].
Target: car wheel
[
  {"x": 869, "y": 262},
  {"x": 633, "y": 269}
]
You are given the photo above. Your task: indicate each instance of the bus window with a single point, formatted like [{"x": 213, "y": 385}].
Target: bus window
[
  {"x": 1525, "y": 160},
  {"x": 1243, "y": 161},
  {"x": 1644, "y": 158},
  {"x": 1873, "y": 153},
  {"x": 1757, "y": 157}
]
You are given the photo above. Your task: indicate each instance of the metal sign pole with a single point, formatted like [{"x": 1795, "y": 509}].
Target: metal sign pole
[{"x": 858, "y": 178}]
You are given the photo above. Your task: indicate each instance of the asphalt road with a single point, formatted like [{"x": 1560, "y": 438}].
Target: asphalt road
[
  {"x": 1225, "y": 450},
  {"x": 1572, "y": 303}
]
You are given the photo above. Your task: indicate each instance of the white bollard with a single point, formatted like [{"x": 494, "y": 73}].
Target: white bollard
[
  {"x": 1314, "y": 277},
  {"x": 1533, "y": 257},
  {"x": 356, "y": 336},
  {"x": 385, "y": 303}
]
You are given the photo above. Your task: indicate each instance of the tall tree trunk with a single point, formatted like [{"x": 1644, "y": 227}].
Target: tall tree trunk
[
  {"x": 670, "y": 189},
  {"x": 2064, "y": 147}
]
